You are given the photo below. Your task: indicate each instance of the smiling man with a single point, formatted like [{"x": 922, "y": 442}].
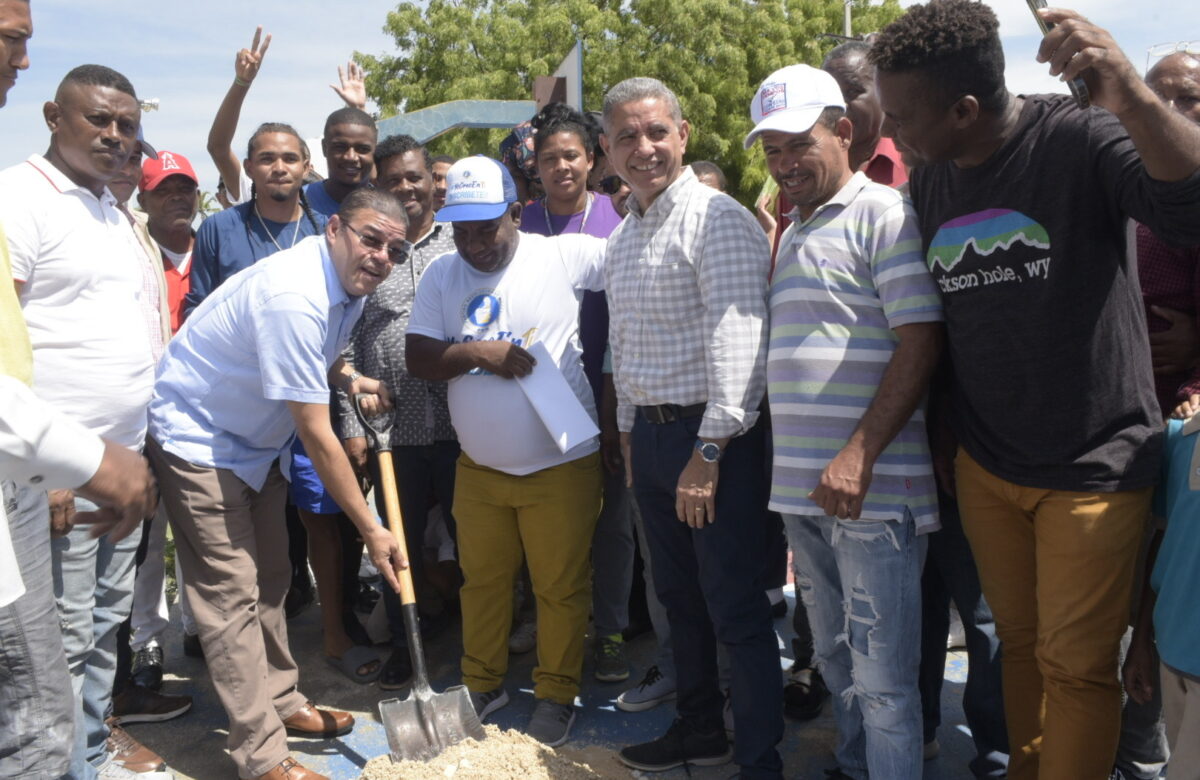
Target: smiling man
[
  {"x": 246, "y": 373},
  {"x": 687, "y": 277},
  {"x": 348, "y": 145},
  {"x": 517, "y": 495},
  {"x": 855, "y": 335},
  {"x": 424, "y": 447}
]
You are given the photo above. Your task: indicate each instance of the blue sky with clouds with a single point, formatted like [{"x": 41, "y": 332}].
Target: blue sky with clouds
[{"x": 182, "y": 53}]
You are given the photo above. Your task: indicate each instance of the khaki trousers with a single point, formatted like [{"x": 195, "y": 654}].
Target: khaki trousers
[
  {"x": 1181, "y": 709},
  {"x": 1057, "y": 569},
  {"x": 546, "y": 518},
  {"x": 232, "y": 542}
]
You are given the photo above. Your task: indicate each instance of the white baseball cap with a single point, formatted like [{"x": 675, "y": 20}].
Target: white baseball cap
[
  {"x": 791, "y": 99},
  {"x": 477, "y": 189}
]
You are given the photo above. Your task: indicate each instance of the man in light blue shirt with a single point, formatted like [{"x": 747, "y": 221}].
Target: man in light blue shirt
[{"x": 250, "y": 369}]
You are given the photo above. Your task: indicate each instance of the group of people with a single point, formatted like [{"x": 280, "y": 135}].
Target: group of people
[{"x": 935, "y": 365}]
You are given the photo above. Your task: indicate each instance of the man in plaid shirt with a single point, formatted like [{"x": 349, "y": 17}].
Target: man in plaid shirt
[{"x": 686, "y": 275}]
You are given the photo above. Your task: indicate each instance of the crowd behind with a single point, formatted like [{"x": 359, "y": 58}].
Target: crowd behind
[{"x": 948, "y": 366}]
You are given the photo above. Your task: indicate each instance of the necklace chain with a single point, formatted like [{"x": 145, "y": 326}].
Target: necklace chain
[{"x": 267, "y": 230}]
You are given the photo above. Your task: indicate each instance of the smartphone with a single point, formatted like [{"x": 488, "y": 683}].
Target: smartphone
[{"x": 1079, "y": 89}]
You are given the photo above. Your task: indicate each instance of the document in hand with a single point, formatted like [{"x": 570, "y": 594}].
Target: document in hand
[{"x": 555, "y": 402}]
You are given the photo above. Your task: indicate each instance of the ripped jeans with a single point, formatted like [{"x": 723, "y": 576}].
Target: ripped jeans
[{"x": 861, "y": 584}]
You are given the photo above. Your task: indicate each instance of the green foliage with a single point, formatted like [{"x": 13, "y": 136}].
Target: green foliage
[{"x": 712, "y": 53}]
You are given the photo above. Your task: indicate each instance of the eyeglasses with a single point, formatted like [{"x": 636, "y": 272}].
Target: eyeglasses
[
  {"x": 397, "y": 255},
  {"x": 610, "y": 185},
  {"x": 1160, "y": 50}
]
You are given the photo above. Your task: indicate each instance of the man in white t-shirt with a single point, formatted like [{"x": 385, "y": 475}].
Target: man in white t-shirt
[
  {"x": 88, "y": 297},
  {"x": 517, "y": 495}
]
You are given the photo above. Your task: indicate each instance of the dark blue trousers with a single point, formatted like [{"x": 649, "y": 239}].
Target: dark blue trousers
[
  {"x": 950, "y": 574},
  {"x": 711, "y": 582}
]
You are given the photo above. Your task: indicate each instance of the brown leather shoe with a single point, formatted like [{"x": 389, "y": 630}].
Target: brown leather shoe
[
  {"x": 130, "y": 753},
  {"x": 308, "y": 721},
  {"x": 290, "y": 769}
]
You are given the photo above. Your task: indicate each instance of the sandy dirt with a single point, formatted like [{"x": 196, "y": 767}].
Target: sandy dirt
[{"x": 504, "y": 755}]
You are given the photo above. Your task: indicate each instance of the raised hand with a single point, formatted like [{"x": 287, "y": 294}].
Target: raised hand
[
  {"x": 352, "y": 86},
  {"x": 248, "y": 61}
]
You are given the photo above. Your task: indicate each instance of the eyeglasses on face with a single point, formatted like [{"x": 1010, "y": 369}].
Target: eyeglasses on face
[{"x": 396, "y": 255}]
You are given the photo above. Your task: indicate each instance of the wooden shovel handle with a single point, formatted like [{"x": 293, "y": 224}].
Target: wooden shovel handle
[{"x": 395, "y": 521}]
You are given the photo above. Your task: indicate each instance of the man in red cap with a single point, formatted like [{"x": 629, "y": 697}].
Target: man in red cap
[{"x": 169, "y": 194}]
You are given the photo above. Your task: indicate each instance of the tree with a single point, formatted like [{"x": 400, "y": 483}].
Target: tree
[{"x": 712, "y": 53}]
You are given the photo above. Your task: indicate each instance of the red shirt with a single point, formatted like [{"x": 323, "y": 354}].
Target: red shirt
[
  {"x": 178, "y": 285},
  {"x": 1170, "y": 279}
]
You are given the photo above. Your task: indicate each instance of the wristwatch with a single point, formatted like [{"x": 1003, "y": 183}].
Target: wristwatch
[
  {"x": 710, "y": 451},
  {"x": 354, "y": 375}
]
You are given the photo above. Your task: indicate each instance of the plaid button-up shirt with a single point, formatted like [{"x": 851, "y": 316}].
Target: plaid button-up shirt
[{"x": 687, "y": 289}]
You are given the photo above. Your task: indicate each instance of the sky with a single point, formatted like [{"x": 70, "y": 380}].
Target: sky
[{"x": 183, "y": 52}]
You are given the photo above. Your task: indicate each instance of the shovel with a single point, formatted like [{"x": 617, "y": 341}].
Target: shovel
[{"x": 426, "y": 723}]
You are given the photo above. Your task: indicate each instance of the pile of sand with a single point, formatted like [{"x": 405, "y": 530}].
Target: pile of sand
[{"x": 504, "y": 755}]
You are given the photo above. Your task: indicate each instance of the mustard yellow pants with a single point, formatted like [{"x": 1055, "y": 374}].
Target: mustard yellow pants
[
  {"x": 546, "y": 519},
  {"x": 1057, "y": 569}
]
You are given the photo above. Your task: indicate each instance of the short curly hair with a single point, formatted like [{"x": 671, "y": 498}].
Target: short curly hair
[{"x": 955, "y": 43}]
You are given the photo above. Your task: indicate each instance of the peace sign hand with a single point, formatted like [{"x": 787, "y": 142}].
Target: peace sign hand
[{"x": 248, "y": 61}]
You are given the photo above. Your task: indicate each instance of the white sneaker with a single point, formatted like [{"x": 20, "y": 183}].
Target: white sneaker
[
  {"x": 524, "y": 637},
  {"x": 958, "y": 633},
  {"x": 653, "y": 690}
]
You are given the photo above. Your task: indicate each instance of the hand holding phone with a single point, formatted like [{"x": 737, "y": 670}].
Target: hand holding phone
[{"x": 1079, "y": 89}]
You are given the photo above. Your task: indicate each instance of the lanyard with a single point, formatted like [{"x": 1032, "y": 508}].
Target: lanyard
[{"x": 587, "y": 212}]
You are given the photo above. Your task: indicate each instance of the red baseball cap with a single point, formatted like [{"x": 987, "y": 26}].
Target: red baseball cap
[{"x": 154, "y": 171}]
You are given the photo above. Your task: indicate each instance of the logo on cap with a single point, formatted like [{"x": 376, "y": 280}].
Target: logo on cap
[
  {"x": 773, "y": 98},
  {"x": 168, "y": 162}
]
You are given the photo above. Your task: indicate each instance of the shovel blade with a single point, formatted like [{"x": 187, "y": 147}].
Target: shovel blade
[{"x": 420, "y": 727}]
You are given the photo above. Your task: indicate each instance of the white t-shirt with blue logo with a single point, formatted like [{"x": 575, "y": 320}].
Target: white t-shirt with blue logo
[{"x": 534, "y": 298}]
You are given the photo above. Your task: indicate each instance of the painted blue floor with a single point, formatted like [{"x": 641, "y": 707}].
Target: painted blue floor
[{"x": 194, "y": 745}]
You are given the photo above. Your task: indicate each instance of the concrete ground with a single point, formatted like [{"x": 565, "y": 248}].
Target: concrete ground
[{"x": 194, "y": 745}]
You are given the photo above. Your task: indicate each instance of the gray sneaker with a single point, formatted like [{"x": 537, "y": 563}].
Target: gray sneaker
[
  {"x": 551, "y": 722},
  {"x": 488, "y": 702},
  {"x": 611, "y": 663},
  {"x": 652, "y": 691}
]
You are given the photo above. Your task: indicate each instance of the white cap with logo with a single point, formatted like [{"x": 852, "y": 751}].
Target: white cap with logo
[
  {"x": 791, "y": 99},
  {"x": 477, "y": 189}
]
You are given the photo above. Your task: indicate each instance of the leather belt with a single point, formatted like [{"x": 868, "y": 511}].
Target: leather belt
[{"x": 665, "y": 413}]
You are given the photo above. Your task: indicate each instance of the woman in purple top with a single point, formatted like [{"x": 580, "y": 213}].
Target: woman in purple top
[
  {"x": 565, "y": 143},
  {"x": 564, "y": 146}
]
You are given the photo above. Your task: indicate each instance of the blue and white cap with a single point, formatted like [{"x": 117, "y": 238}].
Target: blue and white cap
[{"x": 477, "y": 189}]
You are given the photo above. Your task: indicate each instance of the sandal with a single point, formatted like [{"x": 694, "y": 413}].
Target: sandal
[{"x": 352, "y": 662}]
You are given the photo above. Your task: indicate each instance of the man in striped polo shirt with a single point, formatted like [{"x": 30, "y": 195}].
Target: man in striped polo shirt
[{"x": 855, "y": 335}]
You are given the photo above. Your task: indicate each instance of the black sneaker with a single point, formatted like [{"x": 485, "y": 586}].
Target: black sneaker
[
  {"x": 804, "y": 694},
  {"x": 298, "y": 599},
  {"x": 148, "y": 667},
  {"x": 681, "y": 745},
  {"x": 397, "y": 671},
  {"x": 192, "y": 647}
]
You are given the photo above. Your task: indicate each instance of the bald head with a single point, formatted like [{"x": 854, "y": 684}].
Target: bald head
[{"x": 1176, "y": 80}]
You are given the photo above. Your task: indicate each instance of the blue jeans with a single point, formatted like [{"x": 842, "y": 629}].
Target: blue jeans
[
  {"x": 950, "y": 574},
  {"x": 861, "y": 584},
  {"x": 711, "y": 582},
  {"x": 93, "y": 585},
  {"x": 37, "y": 710}
]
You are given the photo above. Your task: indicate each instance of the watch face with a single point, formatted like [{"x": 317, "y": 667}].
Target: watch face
[{"x": 710, "y": 452}]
